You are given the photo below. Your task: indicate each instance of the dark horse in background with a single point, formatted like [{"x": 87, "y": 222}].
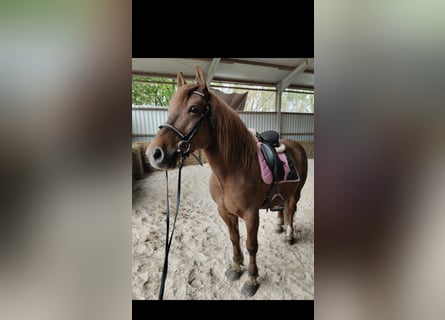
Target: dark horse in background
[{"x": 198, "y": 119}]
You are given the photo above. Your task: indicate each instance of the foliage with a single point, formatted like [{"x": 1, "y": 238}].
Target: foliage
[
  {"x": 297, "y": 102},
  {"x": 153, "y": 92},
  {"x": 156, "y": 92}
]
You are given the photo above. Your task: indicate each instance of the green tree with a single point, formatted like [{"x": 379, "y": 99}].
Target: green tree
[
  {"x": 157, "y": 92},
  {"x": 152, "y": 92},
  {"x": 297, "y": 102}
]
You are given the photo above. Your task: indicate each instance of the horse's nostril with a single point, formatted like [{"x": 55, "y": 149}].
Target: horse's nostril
[{"x": 158, "y": 155}]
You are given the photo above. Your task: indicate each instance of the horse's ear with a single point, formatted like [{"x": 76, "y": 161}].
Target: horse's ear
[
  {"x": 180, "y": 79},
  {"x": 200, "y": 79}
]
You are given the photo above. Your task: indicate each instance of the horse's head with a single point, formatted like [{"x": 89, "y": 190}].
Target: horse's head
[{"x": 188, "y": 127}]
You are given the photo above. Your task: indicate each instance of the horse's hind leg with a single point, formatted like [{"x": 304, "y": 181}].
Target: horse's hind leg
[
  {"x": 280, "y": 220},
  {"x": 234, "y": 272},
  {"x": 289, "y": 218}
]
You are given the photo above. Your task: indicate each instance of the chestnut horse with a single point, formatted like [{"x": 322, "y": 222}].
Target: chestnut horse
[{"x": 198, "y": 119}]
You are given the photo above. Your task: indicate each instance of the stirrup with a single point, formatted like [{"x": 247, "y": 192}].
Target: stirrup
[{"x": 279, "y": 207}]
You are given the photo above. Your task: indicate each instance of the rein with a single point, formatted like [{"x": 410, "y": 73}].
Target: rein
[
  {"x": 183, "y": 149},
  {"x": 168, "y": 239}
]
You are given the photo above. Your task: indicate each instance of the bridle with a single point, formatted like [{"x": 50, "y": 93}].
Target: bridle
[{"x": 183, "y": 149}]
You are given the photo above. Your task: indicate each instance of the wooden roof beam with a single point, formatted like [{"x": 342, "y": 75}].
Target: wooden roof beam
[
  {"x": 212, "y": 70},
  {"x": 286, "y": 82}
]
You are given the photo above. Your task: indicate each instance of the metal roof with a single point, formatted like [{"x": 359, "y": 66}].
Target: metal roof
[{"x": 285, "y": 72}]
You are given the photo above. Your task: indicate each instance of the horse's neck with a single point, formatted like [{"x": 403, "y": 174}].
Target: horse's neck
[
  {"x": 227, "y": 154},
  {"x": 225, "y": 170},
  {"x": 222, "y": 172},
  {"x": 214, "y": 159}
]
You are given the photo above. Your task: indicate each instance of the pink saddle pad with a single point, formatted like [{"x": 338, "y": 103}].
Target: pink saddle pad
[{"x": 266, "y": 173}]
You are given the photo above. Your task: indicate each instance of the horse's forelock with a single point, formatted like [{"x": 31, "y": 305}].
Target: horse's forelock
[{"x": 182, "y": 94}]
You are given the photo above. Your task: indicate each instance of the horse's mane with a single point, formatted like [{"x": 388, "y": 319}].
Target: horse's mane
[{"x": 235, "y": 142}]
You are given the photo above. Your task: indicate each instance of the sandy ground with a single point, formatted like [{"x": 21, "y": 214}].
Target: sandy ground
[{"x": 201, "y": 249}]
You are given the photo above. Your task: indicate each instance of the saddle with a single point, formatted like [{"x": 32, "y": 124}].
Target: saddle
[
  {"x": 269, "y": 141},
  {"x": 270, "y": 137}
]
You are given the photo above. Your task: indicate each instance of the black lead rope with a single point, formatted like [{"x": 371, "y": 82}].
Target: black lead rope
[
  {"x": 183, "y": 149},
  {"x": 168, "y": 238}
]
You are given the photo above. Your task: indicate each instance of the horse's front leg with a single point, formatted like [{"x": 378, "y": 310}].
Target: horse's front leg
[
  {"x": 252, "y": 223},
  {"x": 234, "y": 272}
]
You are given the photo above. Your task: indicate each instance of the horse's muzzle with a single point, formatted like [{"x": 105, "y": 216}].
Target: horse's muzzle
[{"x": 160, "y": 159}]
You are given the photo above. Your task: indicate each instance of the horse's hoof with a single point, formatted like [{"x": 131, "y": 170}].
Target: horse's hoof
[
  {"x": 249, "y": 290},
  {"x": 290, "y": 239},
  {"x": 233, "y": 275}
]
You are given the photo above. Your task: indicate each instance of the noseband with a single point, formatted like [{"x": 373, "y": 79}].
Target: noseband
[{"x": 183, "y": 148}]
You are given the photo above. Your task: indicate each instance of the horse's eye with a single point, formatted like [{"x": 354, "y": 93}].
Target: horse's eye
[{"x": 193, "y": 109}]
